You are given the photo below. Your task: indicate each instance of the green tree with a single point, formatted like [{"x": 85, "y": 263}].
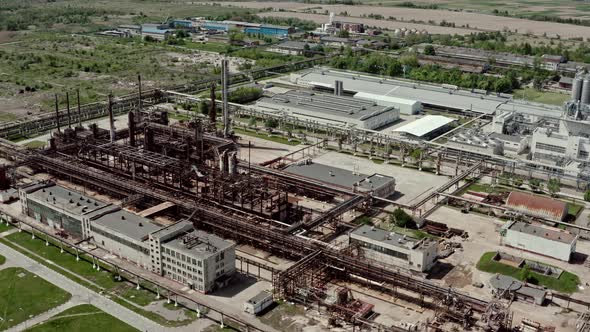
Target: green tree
[
  {"x": 553, "y": 186},
  {"x": 271, "y": 123},
  {"x": 400, "y": 218},
  {"x": 252, "y": 122},
  {"x": 429, "y": 50},
  {"x": 587, "y": 196},
  {"x": 535, "y": 184},
  {"x": 203, "y": 107}
]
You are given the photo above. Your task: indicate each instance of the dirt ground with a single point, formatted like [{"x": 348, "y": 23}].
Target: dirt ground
[
  {"x": 461, "y": 272},
  {"x": 460, "y": 18}
]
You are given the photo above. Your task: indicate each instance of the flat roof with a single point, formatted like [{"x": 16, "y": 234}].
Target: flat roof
[
  {"x": 388, "y": 99},
  {"x": 424, "y": 93},
  {"x": 324, "y": 105},
  {"x": 292, "y": 45},
  {"x": 425, "y": 125},
  {"x": 127, "y": 223},
  {"x": 260, "y": 297},
  {"x": 65, "y": 199},
  {"x": 338, "y": 176},
  {"x": 205, "y": 244},
  {"x": 504, "y": 137},
  {"x": 548, "y": 233},
  {"x": 386, "y": 237}
]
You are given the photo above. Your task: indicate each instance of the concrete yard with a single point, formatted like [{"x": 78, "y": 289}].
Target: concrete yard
[{"x": 410, "y": 183}]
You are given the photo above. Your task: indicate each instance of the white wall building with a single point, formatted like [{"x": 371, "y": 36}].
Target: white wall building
[
  {"x": 550, "y": 242},
  {"x": 336, "y": 110},
  {"x": 395, "y": 249}
]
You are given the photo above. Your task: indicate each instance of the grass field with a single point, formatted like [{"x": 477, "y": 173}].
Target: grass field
[
  {"x": 23, "y": 294},
  {"x": 85, "y": 318},
  {"x": 553, "y": 98},
  {"x": 2, "y": 260},
  {"x": 4, "y": 227},
  {"x": 567, "y": 282}
]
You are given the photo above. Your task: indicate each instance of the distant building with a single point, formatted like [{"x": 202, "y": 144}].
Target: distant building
[
  {"x": 289, "y": 47},
  {"x": 202, "y": 261},
  {"x": 542, "y": 240},
  {"x": 538, "y": 206},
  {"x": 516, "y": 144},
  {"x": 182, "y": 24},
  {"x": 247, "y": 27},
  {"x": 132, "y": 30},
  {"x": 155, "y": 31},
  {"x": 565, "y": 82},
  {"x": 395, "y": 249}
]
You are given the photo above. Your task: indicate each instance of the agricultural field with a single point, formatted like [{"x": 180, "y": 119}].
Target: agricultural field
[
  {"x": 84, "y": 317},
  {"x": 394, "y": 16}
]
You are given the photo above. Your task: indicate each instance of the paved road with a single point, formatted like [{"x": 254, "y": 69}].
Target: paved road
[{"x": 78, "y": 291}]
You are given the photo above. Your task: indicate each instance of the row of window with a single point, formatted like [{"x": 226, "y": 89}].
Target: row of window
[
  {"x": 184, "y": 273},
  {"x": 550, "y": 147},
  {"x": 119, "y": 240},
  {"x": 381, "y": 249}
]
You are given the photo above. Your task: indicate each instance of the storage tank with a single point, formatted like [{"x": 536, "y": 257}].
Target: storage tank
[
  {"x": 585, "y": 98},
  {"x": 577, "y": 88}
]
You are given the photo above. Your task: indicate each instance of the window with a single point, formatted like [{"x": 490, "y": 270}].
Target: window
[{"x": 549, "y": 147}]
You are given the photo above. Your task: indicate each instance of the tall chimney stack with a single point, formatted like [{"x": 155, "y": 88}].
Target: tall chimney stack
[
  {"x": 57, "y": 114},
  {"x": 224, "y": 94},
  {"x": 111, "y": 118},
  {"x": 68, "y": 108},
  {"x": 79, "y": 110}
]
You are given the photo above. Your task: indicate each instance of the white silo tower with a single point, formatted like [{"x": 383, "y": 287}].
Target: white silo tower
[
  {"x": 585, "y": 98},
  {"x": 577, "y": 88}
]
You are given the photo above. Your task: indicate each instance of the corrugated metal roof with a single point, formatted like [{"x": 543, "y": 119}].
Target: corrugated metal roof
[
  {"x": 425, "y": 125},
  {"x": 389, "y": 99},
  {"x": 537, "y": 205}
]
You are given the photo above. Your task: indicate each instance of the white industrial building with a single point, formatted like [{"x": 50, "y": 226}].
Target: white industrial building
[
  {"x": 426, "y": 127},
  {"x": 395, "y": 249},
  {"x": 336, "y": 110},
  {"x": 258, "y": 303},
  {"x": 197, "y": 259},
  {"x": 542, "y": 240},
  {"x": 406, "y": 106}
]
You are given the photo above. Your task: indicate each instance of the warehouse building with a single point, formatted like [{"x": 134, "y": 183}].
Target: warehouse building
[
  {"x": 336, "y": 110},
  {"x": 247, "y": 27},
  {"x": 537, "y": 206},
  {"x": 542, "y": 240},
  {"x": 197, "y": 259},
  {"x": 376, "y": 88},
  {"x": 155, "y": 31},
  {"x": 395, "y": 249},
  {"x": 377, "y": 184},
  {"x": 289, "y": 47},
  {"x": 427, "y": 127}
]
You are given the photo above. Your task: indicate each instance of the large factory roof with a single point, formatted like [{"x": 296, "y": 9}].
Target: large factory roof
[
  {"x": 323, "y": 105},
  {"x": 424, "y": 93},
  {"x": 202, "y": 245},
  {"x": 338, "y": 176},
  {"x": 545, "y": 232},
  {"x": 127, "y": 223},
  {"x": 537, "y": 204},
  {"x": 70, "y": 201},
  {"x": 425, "y": 125}
]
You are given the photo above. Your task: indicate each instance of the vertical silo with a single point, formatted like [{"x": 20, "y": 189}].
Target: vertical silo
[
  {"x": 585, "y": 98},
  {"x": 577, "y": 88}
]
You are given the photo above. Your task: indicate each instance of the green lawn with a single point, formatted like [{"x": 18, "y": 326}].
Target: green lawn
[
  {"x": 84, "y": 317},
  {"x": 24, "y": 294},
  {"x": 2, "y": 260},
  {"x": 4, "y": 227},
  {"x": 574, "y": 209},
  {"x": 567, "y": 282},
  {"x": 553, "y": 98},
  {"x": 35, "y": 144}
]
